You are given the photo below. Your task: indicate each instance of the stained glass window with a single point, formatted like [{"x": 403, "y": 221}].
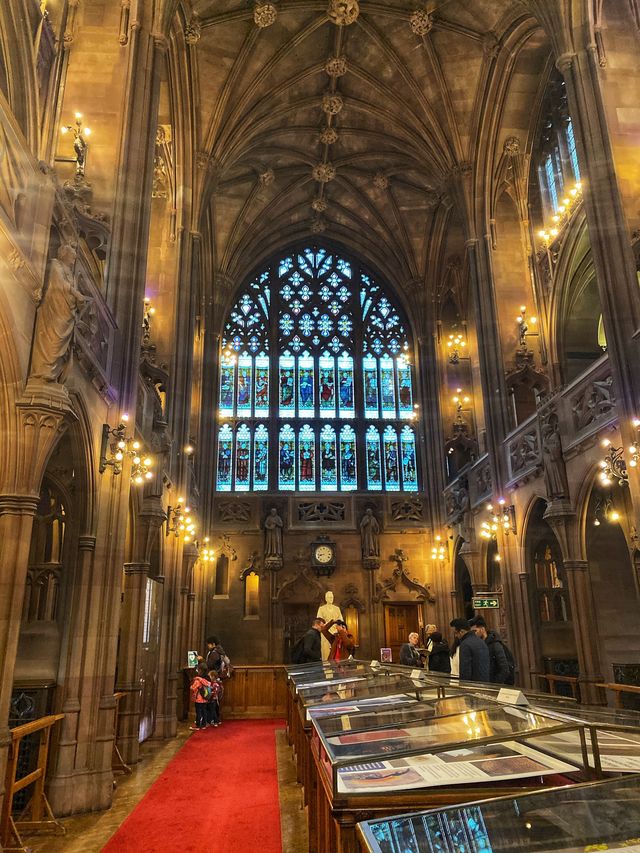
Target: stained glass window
[
  {"x": 315, "y": 368},
  {"x": 573, "y": 154}
]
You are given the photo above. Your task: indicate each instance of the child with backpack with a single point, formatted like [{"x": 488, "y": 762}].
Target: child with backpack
[
  {"x": 200, "y": 695},
  {"x": 213, "y": 706}
]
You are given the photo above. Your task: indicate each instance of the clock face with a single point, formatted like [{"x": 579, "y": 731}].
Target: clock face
[{"x": 323, "y": 553}]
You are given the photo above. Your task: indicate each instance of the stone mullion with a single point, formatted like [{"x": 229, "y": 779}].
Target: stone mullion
[
  {"x": 429, "y": 427},
  {"x": 166, "y": 719},
  {"x": 583, "y": 614},
  {"x": 525, "y": 648}
]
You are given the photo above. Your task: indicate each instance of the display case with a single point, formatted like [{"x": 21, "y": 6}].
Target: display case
[{"x": 576, "y": 819}]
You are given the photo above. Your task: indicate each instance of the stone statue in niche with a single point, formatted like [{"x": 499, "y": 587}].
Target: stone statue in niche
[
  {"x": 328, "y": 611},
  {"x": 57, "y": 316},
  {"x": 555, "y": 472},
  {"x": 370, "y": 540},
  {"x": 273, "y": 540}
]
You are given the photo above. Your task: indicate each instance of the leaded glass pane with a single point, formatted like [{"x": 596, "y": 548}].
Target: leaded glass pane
[
  {"x": 287, "y": 459},
  {"x": 327, "y": 386},
  {"x": 370, "y": 369},
  {"x": 245, "y": 371},
  {"x": 225, "y": 453},
  {"x": 227, "y": 384},
  {"x": 243, "y": 457},
  {"x": 286, "y": 381},
  {"x": 405, "y": 391},
  {"x": 348, "y": 468},
  {"x": 573, "y": 154},
  {"x": 261, "y": 387},
  {"x": 374, "y": 470},
  {"x": 409, "y": 467},
  {"x": 305, "y": 383},
  {"x": 390, "y": 452},
  {"x": 328, "y": 466},
  {"x": 345, "y": 385},
  {"x": 387, "y": 388},
  {"x": 261, "y": 459},
  {"x": 307, "y": 453}
]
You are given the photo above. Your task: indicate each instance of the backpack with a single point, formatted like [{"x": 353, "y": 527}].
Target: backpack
[
  {"x": 511, "y": 661},
  {"x": 225, "y": 669},
  {"x": 297, "y": 652},
  {"x": 205, "y": 692}
]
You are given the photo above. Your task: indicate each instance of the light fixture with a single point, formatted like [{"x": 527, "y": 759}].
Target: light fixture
[
  {"x": 524, "y": 325},
  {"x": 605, "y": 509},
  {"x": 116, "y": 445},
  {"x": 79, "y": 144},
  {"x": 613, "y": 468},
  {"x": 561, "y": 214},
  {"x": 455, "y": 345},
  {"x": 439, "y": 549},
  {"x": 502, "y": 517},
  {"x": 460, "y": 400}
]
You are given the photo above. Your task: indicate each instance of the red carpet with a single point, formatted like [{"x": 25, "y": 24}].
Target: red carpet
[{"x": 218, "y": 795}]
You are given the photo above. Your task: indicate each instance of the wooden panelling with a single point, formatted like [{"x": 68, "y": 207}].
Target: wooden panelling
[{"x": 255, "y": 691}]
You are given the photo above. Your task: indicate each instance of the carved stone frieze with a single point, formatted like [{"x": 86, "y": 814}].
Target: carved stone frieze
[
  {"x": 229, "y": 511},
  {"x": 322, "y": 511},
  {"x": 524, "y": 452},
  {"x": 408, "y": 509},
  {"x": 595, "y": 402}
]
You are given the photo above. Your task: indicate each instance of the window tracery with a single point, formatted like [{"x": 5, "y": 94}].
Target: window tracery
[{"x": 314, "y": 365}]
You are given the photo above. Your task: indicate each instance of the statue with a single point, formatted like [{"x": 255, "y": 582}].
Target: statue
[
  {"x": 56, "y": 319},
  {"x": 370, "y": 541},
  {"x": 328, "y": 611},
  {"x": 273, "y": 539},
  {"x": 555, "y": 472}
]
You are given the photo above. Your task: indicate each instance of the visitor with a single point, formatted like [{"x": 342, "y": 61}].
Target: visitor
[
  {"x": 409, "y": 654},
  {"x": 200, "y": 695},
  {"x": 308, "y": 648},
  {"x": 342, "y": 643},
  {"x": 215, "y": 655},
  {"x": 440, "y": 654},
  {"x": 455, "y": 658},
  {"x": 474, "y": 653},
  {"x": 501, "y": 661},
  {"x": 428, "y": 634},
  {"x": 213, "y": 705}
]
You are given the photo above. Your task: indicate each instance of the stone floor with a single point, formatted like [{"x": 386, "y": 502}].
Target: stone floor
[{"x": 89, "y": 833}]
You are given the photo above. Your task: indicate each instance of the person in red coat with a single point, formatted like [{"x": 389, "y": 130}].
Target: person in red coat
[
  {"x": 343, "y": 645},
  {"x": 200, "y": 695}
]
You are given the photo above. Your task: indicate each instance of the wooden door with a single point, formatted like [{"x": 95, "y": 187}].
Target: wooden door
[{"x": 399, "y": 621}]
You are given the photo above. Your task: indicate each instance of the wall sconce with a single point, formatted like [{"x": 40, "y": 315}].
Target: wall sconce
[
  {"x": 116, "y": 446},
  {"x": 547, "y": 236},
  {"x": 79, "y": 144},
  {"x": 439, "y": 549},
  {"x": 604, "y": 508},
  {"x": 613, "y": 467},
  {"x": 501, "y": 518},
  {"x": 456, "y": 345},
  {"x": 207, "y": 554},
  {"x": 460, "y": 400},
  {"x": 149, "y": 311},
  {"x": 523, "y": 326},
  {"x": 180, "y": 521}
]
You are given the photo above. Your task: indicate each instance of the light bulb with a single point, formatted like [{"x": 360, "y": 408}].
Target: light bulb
[
  {"x": 188, "y": 449},
  {"x": 614, "y": 516},
  {"x": 136, "y": 460},
  {"x": 119, "y": 456},
  {"x": 125, "y": 417},
  {"x": 206, "y": 538},
  {"x": 635, "y": 422},
  {"x": 78, "y": 115},
  {"x": 122, "y": 445},
  {"x": 138, "y": 479},
  {"x": 605, "y": 442},
  {"x": 136, "y": 445},
  {"x": 87, "y": 131},
  {"x": 180, "y": 500},
  {"x": 64, "y": 129},
  {"x": 149, "y": 475},
  {"x": 596, "y": 523},
  {"x": 148, "y": 461}
]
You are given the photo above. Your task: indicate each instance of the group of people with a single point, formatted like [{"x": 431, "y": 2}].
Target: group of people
[
  {"x": 206, "y": 686},
  {"x": 477, "y": 653},
  {"x": 309, "y": 647}
]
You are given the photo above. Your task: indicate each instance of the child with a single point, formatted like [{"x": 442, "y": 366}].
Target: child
[
  {"x": 200, "y": 695},
  {"x": 213, "y": 706}
]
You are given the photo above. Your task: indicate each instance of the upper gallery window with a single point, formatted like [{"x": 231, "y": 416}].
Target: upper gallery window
[
  {"x": 557, "y": 157},
  {"x": 316, "y": 388}
]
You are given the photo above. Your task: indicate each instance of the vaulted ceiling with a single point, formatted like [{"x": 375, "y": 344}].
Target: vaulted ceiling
[{"x": 344, "y": 130}]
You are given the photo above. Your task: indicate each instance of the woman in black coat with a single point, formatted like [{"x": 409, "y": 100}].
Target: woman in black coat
[{"x": 440, "y": 656}]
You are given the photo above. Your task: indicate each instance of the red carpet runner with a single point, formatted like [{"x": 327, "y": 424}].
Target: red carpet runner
[{"x": 218, "y": 795}]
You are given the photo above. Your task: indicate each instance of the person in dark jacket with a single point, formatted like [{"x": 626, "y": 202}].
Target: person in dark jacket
[
  {"x": 215, "y": 654},
  {"x": 409, "y": 654},
  {"x": 311, "y": 643},
  {"x": 440, "y": 655},
  {"x": 500, "y": 672},
  {"x": 474, "y": 652}
]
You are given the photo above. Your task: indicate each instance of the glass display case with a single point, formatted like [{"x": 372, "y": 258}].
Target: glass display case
[{"x": 575, "y": 819}]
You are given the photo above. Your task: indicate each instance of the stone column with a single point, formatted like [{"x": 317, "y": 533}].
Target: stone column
[
  {"x": 526, "y": 647},
  {"x": 131, "y": 625},
  {"x": 583, "y": 613}
]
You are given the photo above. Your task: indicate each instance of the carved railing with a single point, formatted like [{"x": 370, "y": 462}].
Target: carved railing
[
  {"x": 524, "y": 457},
  {"x": 480, "y": 481}
]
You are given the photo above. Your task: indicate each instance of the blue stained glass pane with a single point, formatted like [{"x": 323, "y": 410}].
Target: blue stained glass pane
[
  {"x": 287, "y": 459},
  {"x": 573, "y": 154},
  {"x": 390, "y": 452},
  {"x": 261, "y": 459},
  {"x": 370, "y": 369},
  {"x": 345, "y": 386},
  {"x": 305, "y": 383},
  {"x": 345, "y": 326},
  {"x": 286, "y": 324},
  {"x": 307, "y": 452},
  {"x": 344, "y": 267},
  {"x": 551, "y": 183},
  {"x": 227, "y": 384},
  {"x": 245, "y": 370},
  {"x": 261, "y": 387},
  {"x": 225, "y": 452},
  {"x": 327, "y": 386},
  {"x": 285, "y": 266},
  {"x": 287, "y": 385},
  {"x": 325, "y": 325},
  {"x": 306, "y": 324},
  {"x": 348, "y": 468},
  {"x": 328, "y": 466},
  {"x": 409, "y": 468},
  {"x": 405, "y": 391},
  {"x": 374, "y": 470},
  {"x": 243, "y": 458},
  {"x": 387, "y": 388}
]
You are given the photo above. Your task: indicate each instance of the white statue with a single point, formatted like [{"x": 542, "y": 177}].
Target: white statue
[
  {"x": 57, "y": 315},
  {"x": 328, "y": 611}
]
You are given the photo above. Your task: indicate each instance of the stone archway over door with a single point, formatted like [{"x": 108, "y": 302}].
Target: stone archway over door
[{"x": 400, "y": 620}]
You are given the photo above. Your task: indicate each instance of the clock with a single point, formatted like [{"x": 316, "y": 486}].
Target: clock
[{"x": 323, "y": 556}]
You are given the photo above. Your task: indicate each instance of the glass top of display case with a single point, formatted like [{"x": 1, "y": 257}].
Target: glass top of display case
[
  {"x": 573, "y": 819},
  {"x": 376, "y": 688}
]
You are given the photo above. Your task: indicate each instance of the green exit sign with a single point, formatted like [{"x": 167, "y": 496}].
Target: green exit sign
[{"x": 485, "y": 602}]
